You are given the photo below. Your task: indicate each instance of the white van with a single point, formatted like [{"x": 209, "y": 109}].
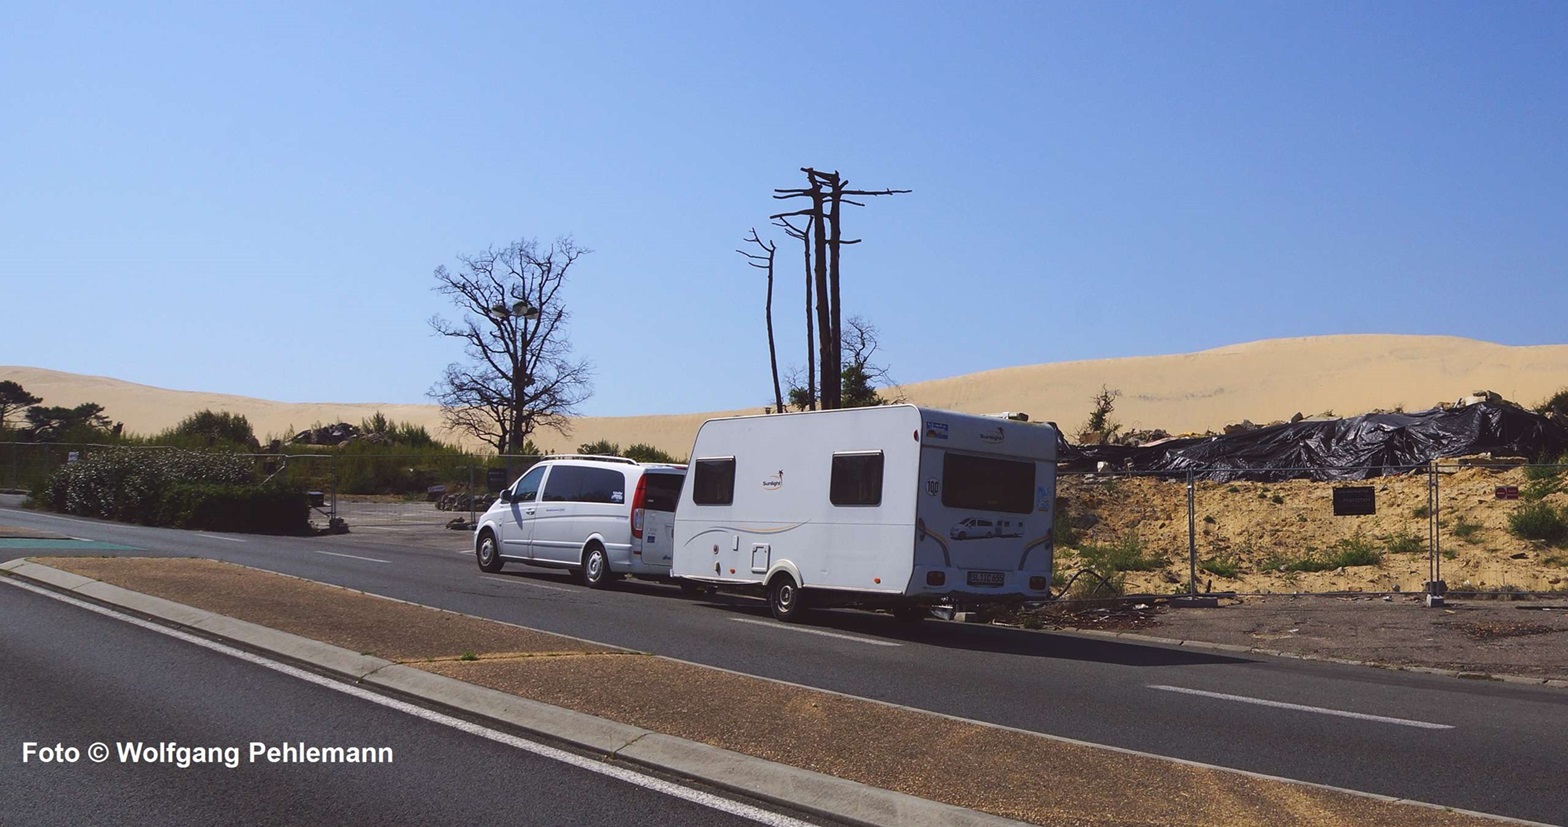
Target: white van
[
  {"x": 898, "y": 506},
  {"x": 600, "y": 517}
]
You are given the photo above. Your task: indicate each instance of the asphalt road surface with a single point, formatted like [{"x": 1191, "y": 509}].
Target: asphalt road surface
[
  {"x": 73, "y": 678},
  {"x": 1476, "y": 745}
]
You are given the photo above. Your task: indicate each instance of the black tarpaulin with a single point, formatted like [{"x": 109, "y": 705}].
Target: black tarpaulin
[{"x": 1339, "y": 449}]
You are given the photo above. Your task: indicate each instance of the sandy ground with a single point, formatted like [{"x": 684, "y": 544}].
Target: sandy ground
[
  {"x": 1258, "y": 527},
  {"x": 894, "y": 748},
  {"x": 1262, "y": 381}
]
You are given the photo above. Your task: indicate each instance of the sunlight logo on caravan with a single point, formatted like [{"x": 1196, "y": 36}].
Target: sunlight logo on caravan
[
  {"x": 993, "y": 436},
  {"x": 774, "y": 482}
]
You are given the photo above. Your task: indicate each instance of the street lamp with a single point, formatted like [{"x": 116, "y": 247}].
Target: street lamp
[{"x": 520, "y": 309}]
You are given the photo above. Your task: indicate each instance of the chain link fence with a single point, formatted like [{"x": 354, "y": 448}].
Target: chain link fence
[
  {"x": 1473, "y": 528},
  {"x": 1482, "y": 528}
]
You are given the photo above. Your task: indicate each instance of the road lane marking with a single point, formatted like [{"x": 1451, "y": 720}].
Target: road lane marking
[
  {"x": 770, "y": 624},
  {"x": 1360, "y": 716},
  {"x": 352, "y": 556},
  {"x": 637, "y": 779},
  {"x": 219, "y": 537},
  {"x": 528, "y": 583}
]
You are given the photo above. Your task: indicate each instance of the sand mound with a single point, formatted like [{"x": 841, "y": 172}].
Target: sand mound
[{"x": 1261, "y": 381}]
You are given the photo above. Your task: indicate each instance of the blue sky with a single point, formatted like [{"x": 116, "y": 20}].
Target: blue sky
[{"x": 251, "y": 198}]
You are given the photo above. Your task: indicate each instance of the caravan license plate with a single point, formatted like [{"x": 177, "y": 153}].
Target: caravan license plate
[{"x": 987, "y": 578}]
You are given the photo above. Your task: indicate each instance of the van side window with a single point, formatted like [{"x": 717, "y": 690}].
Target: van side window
[
  {"x": 713, "y": 481},
  {"x": 575, "y": 484},
  {"x": 856, "y": 478},
  {"x": 562, "y": 485},
  {"x": 527, "y": 489},
  {"x": 987, "y": 483},
  {"x": 601, "y": 485}
]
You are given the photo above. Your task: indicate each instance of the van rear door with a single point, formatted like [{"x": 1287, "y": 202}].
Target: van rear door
[{"x": 659, "y": 491}]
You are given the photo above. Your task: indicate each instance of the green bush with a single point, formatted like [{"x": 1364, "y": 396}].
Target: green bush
[
  {"x": 1466, "y": 530},
  {"x": 1354, "y": 551},
  {"x": 1125, "y": 554},
  {"x": 1405, "y": 542},
  {"x": 270, "y": 508},
  {"x": 1226, "y": 566},
  {"x": 1539, "y": 521},
  {"x": 128, "y": 485},
  {"x": 1062, "y": 531}
]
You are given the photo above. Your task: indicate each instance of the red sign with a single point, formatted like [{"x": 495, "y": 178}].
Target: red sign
[{"x": 1508, "y": 492}]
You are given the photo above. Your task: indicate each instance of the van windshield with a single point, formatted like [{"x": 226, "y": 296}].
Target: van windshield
[
  {"x": 661, "y": 491},
  {"x": 987, "y": 483}
]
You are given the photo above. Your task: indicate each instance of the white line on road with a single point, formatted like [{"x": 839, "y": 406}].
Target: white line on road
[
  {"x": 634, "y": 778},
  {"x": 1299, "y": 708},
  {"x": 218, "y": 537},
  {"x": 770, "y": 624},
  {"x": 528, "y": 583},
  {"x": 352, "y": 556}
]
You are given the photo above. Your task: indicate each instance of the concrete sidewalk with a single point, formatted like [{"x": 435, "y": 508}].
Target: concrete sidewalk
[{"x": 846, "y": 758}]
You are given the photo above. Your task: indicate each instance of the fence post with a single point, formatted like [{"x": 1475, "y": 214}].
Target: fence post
[
  {"x": 1192, "y": 536},
  {"x": 473, "y": 508},
  {"x": 1435, "y": 588},
  {"x": 332, "y": 473}
]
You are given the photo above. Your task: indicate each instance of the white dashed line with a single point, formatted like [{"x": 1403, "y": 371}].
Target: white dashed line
[
  {"x": 352, "y": 556},
  {"x": 1360, "y": 716},
  {"x": 770, "y": 624}
]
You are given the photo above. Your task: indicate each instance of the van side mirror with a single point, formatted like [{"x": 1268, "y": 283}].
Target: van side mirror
[{"x": 506, "y": 495}]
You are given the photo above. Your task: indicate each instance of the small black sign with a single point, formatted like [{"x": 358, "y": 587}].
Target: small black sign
[
  {"x": 496, "y": 478},
  {"x": 1507, "y": 492},
  {"x": 1355, "y": 500}
]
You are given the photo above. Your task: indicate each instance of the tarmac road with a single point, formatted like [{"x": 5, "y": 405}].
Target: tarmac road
[
  {"x": 1480, "y": 746},
  {"x": 113, "y": 683}
]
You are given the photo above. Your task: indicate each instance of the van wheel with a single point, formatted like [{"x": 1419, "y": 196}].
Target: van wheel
[
  {"x": 595, "y": 572},
  {"x": 785, "y": 599},
  {"x": 488, "y": 554}
]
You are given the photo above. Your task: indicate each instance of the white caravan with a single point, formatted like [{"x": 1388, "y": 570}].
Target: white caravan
[{"x": 898, "y": 507}]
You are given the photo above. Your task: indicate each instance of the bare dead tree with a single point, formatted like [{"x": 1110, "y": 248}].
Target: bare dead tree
[
  {"x": 864, "y": 379},
  {"x": 803, "y": 235},
  {"x": 520, "y": 375},
  {"x": 828, "y": 192},
  {"x": 765, "y": 262}
]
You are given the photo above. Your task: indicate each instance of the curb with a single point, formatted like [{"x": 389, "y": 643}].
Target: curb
[{"x": 802, "y": 790}]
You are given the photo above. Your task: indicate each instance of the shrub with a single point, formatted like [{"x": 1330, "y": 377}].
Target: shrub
[
  {"x": 1405, "y": 542},
  {"x": 128, "y": 484},
  {"x": 1354, "y": 551},
  {"x": 270, "y": 508},
  {"x": 1465, "y": 530},
  {"x": 1226, "y": 566},
  {"x": 1123, "y": 555},
  {"x": 207, "y": 427},
  {"x": 1539, "y": 521},
  {"x": 643, "y": 452},
  {"x": 1062, "y": 530},
  {"x": 1421, "y": 512},
  {"x": 1277, "y": 500}
]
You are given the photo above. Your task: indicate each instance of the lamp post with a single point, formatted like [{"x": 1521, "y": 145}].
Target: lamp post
[{"x": 521, "y": 379}]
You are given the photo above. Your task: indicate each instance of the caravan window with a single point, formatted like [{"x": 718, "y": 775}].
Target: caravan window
[
  {"x": 713, "y": 481},
  {"x": 857, "y": 479},
  {"x": 987, "y": 483}
]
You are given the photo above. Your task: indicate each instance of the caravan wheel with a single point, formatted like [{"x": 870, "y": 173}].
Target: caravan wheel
[{"x": 785, "y": 599}]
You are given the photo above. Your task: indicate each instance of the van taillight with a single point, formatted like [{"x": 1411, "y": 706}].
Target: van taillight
[
  {"x": 1037, "y": 583},
  {"x": 637, "y": 500},
  {"x": 936, "y": 578}
]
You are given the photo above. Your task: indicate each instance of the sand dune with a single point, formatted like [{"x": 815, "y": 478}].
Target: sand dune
[{"x": 1261, "y": 381}]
